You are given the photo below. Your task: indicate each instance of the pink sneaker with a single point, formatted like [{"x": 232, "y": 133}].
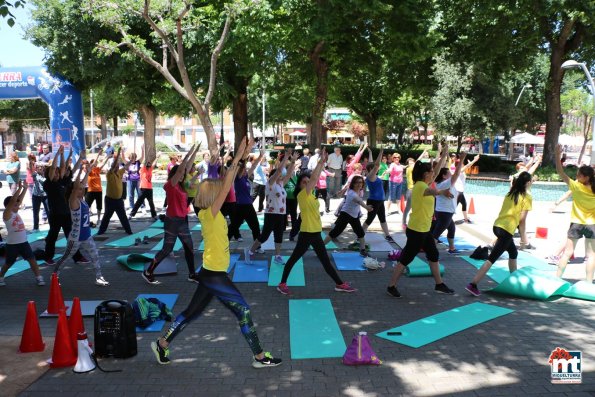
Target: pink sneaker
[
  {"x": 282, "y": 287},
  {"x": 345, "y": 287},
  {"x": 404, "y": 226}
]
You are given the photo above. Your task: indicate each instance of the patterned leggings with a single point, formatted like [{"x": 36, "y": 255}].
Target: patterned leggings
[
  {"x": 87, "y": 248},
  {"x": 217, "y": 284},
  {"x": 175, "y": 228}
]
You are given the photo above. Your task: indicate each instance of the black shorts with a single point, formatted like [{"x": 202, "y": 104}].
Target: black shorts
[
  {"x": 416, "y": 241},
  {"x": 13, "y": 251},
  {"x": 341, "y": 223},
  {"x": 577, "y": 231},
  {"x": 90, "y": 197},
  {"x": 273, "y": 223}
]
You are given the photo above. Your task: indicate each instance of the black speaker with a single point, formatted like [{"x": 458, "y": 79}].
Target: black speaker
[{"x": 115, "y": 330}]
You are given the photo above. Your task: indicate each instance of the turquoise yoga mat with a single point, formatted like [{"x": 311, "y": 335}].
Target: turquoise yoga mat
[
  {"x": 499, "y": 270},
  {"x": 158, "y": 224},
  {"x": 62, "y": 242},
  {"x": 128, "y": 241},
  {"x": 196, "y": 228},
  {"x": 430, "y": 329},
  {"x": 139, "y": 262},
  {"x": 313, "y": 330},
  {"x": 22, "y": 265},
  {"x": 419, "y": 268},
  {"x": 331, "y": 244},
  {"x": 348, "y": 261},
  {"x": 36, "y": 236},
  {"x": 255, "y": 272},
  {"x": 159, "y": 245},
  {"x": 169, "y": 300},
  {"x": 296, "y": 277},
  {"x": 460, "y": 243},
  {"x": 581, "y": 290},
  {"x": 532, "y": 283}
]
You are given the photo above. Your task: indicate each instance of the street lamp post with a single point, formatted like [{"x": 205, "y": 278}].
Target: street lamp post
[
  {"x": 507, "y": 144},
  {"x": 521, "y": 93},
  {"x": 570, "y": 64}
]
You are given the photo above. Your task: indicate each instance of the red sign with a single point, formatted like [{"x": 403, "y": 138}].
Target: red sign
[{"x": 11, "y": 76}]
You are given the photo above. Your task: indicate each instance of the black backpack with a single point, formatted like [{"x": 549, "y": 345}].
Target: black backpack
[{"x": 480, "y": 253}]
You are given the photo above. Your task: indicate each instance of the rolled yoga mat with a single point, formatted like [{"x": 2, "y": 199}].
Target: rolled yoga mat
[
  {"x": 419, "y": 268},
  {"x": 500, "y": 271},
  {"x": 296, "y": 277},
  {"x": 430, "y": 329},
  {"x": 313, "y": 329},
  {"x": 139, "y": 262},
  {"x": 532, "y": 283}
]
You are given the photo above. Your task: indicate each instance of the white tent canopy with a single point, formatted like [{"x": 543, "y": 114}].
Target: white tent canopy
[
  {"x": 298, "y": 133},
  {"x": 527, "y": 139}
]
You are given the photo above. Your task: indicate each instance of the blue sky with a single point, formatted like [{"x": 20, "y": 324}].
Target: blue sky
[{"x": 14, "y": 49}]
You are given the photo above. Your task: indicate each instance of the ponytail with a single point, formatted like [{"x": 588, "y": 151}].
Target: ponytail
[
  {"x": 587, "y": 171},
  {"x": 519, "y": 186}
]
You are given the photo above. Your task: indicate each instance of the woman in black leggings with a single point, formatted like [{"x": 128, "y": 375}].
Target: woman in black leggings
[{"x": 310, "y": 230}]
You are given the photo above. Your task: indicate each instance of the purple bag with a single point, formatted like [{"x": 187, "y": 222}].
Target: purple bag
[
  {"x": 394, "y": 255},
  {"x": 359, "y": 352}
]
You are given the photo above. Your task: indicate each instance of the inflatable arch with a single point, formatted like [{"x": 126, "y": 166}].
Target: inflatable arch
[{"x": 64, "y": 100}]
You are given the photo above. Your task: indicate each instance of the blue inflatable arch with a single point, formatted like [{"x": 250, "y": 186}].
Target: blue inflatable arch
[{"x": 64, "y": 100}]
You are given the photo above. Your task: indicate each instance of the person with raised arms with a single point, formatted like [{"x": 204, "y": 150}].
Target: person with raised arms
[
  {"x": 310, "y": 231},
  {"x": 146, "y": 185},
  {"x": 213, "y": 280},
  {"x": 377, "y": 197}
]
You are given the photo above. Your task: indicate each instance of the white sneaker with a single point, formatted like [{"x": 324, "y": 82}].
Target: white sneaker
[
  {"x": 247, "y": 256},
  {"x": 279, "y": 260},
  {"x": 101, "y": 282},
  {"x": 40, "y": 281},
  {"x": 260, "y": 251},
  {"x": 2, "y": 283}
]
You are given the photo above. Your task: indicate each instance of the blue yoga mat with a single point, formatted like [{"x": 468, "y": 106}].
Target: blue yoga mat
[
  {"x": 349, "y": 261},
  {"x": 62, "y": 242},
  {"x": 313, "y": 330},
  {"x": 430, "y": 329},
  {"x": 159, "y": 245},
  {"x": 296, "y": 277},
  {"x": 256, "y": 272},
  {"x": 169, "y": 300},
  {"x": 233, "y": 258},
  {"x": 128, "y": 241}
]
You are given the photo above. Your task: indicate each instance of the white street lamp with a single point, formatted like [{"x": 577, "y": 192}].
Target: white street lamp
[
  {"x": 570, "y": 64},
  {"x": 521, "y": 93}
]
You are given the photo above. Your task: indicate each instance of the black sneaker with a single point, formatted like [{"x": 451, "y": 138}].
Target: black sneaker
[
  {"x": 363, "y": 253},
  {"x": 390, "y": 239},
  {"x": 393, "y": 291},
  {"x": 267, "y": 361},
  {"x": 149, "y": 278},
  {"x": 443, "y": 289},
  {"x": 161, "y": 354},
  {"x": 193, "y": 278}
]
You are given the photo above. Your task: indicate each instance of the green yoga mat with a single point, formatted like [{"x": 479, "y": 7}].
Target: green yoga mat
[
  {"x": 419, "y": 268},
  {"x": 532, "y": 283},
  {"x": 159, "y": 245},
  {"x": 581, "y": 290},
  {"x": 430, "y": 329},
  {"x": 296, "y": 277},
  {"x": 331, "y": 244},
  {"x": 128, "y": 241},
  {"x": 62, "y": 242},
  {"x": 313, "y": 329},
  {"x": 136, "y": 262}
]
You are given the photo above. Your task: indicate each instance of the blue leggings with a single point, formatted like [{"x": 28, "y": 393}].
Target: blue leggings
[{"x": 219, "y": 285}]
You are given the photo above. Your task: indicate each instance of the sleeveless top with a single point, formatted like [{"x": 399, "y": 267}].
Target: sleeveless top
[{"x": 81, "y": 231}]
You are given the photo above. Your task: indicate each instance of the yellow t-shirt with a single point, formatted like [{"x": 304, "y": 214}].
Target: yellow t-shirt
[
  {"x": 583, "y": 203},
  {"x": 114, "y": 183},
  {"x": 309, "y": 208},
  {"x": 422, "y": 208},
  {"x": 191, "y": 188},
  {"x": 214, "y": 233},
  {"x": 409, "y": 174},
  {"x": 510, "y": 213}
]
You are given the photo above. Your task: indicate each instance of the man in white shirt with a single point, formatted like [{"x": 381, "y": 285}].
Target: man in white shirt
[
  {"x": 334, "y": 164},
  {"x": 314, "y": 160}
]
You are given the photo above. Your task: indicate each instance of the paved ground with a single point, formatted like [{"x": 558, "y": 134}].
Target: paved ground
[{"x": 507, "y": 356}]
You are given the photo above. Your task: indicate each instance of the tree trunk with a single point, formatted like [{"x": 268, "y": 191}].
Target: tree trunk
[
  {"x": 587, "y": 128},
  {"x": 150, "y": 117},
  {"x": 371, "y": 121},
  {"x": 552, "y": 106},
  {"x": 103, "y": 127},
  {"x": 19, "y": 135},
  {"x": 459, "y": 141},
  {"x": 321, "y": 69},
  {"x": 115, "y": 122},
  {"x": 240, "y": 114}
]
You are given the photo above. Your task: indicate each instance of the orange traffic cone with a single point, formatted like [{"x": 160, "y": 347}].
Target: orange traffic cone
[
  {"x": 31, "y": 338},
  {"x": 471, "y": 209},
  {"x": 56, "y": 302},
  {"x": 541, "y": 232},
  {"x": 402, "y": 204},
  {"x": 75, "y": 323},
  {"x": 63, "y": 354}
]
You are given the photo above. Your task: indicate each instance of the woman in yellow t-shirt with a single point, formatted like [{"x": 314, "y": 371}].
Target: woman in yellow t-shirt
[
  {"x": 418, "y": 228},
  {"x": 310, "y": 230},
  {"x": 582, "y": 216},
  {"x": 517, "y": 200},
  {"x": 213, "y": 278}
]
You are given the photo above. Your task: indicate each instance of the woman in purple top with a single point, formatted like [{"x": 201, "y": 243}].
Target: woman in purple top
[
  {"x": 244, "y": 207},
  {"x": 133, "y": 178}
]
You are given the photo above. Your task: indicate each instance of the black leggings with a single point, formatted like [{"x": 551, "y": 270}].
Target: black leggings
[
  {"x": 323, "y": 194},
  {"x": 273, "y": 223},
  {"x": 505, "y": 242},
  {"x": 462, "y": 200},
  {"x": 258, "y": 191},
  {"x": 57, "y": 222},
  {"x": 305, "y": 241},
  {"x": 245, "y": 212},
  {"x": 292, "y": 206},
  {"x": 175, "y": 228},
  {"x": 217, "y": 284},
  {"x": 416, "y": 241},
  {"x": 230, "y": 209},
  {"x": 144, "y": 194},
  {"x": 378, "y": 210},
  {"x": 341, "y": 223},
  {"x": 443, "y": 221}
]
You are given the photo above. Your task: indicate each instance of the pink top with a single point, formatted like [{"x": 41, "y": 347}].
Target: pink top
[
  {"x": 353, "y": 162},
  {"x": 321, "y": 184},
  {"x": 177, "y": 200},
  {"x": 29, "y": 178},
  {"x": 396, "y": 173},
  {"x": 231, "y": 196}
]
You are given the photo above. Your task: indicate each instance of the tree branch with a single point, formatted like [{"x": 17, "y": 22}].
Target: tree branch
[
  {"x": 157, "y": 29},
  {"x": 214, "y": 57},
  {"x": 564, "y": 34},
  {"x": 575, "y": 41}
]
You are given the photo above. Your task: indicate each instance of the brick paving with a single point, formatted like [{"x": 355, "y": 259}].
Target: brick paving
[{"x": 507, "y": 356}]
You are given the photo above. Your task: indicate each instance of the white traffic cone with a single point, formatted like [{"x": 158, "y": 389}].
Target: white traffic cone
[{"x": 85, "y": 362}]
